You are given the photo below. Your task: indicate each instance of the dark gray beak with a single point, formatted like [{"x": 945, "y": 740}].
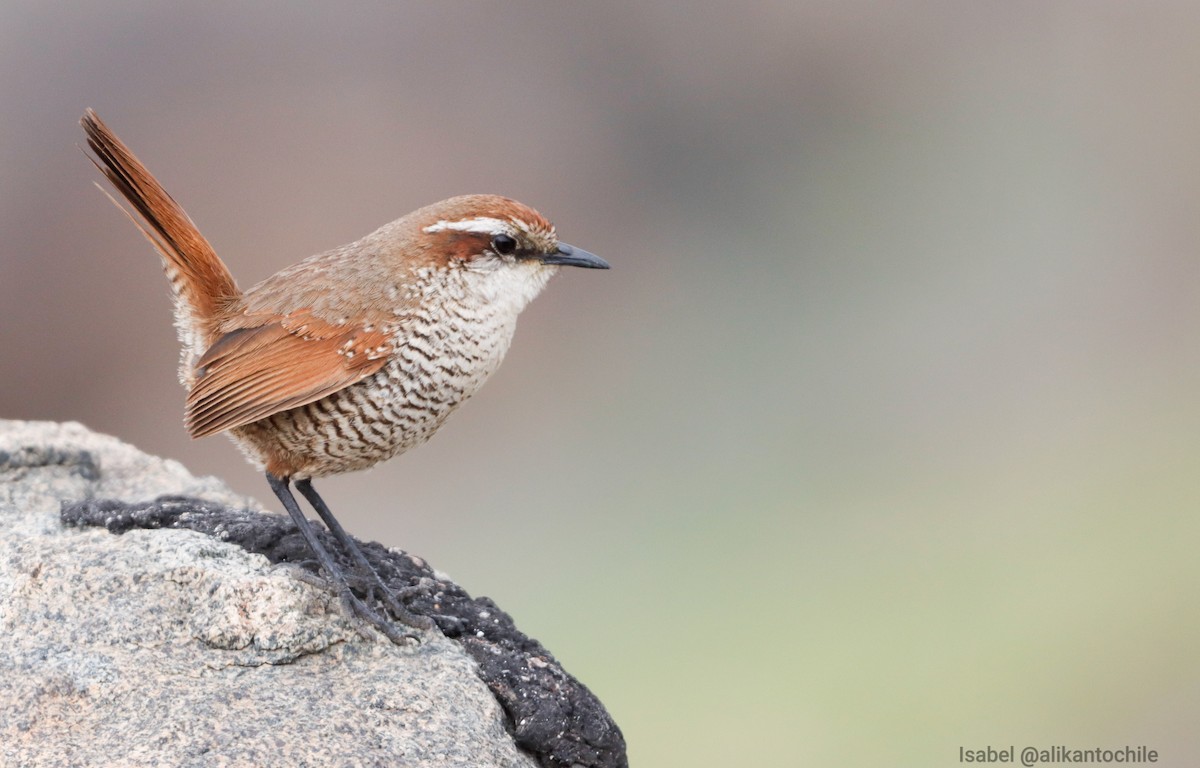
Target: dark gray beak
[{"x": 570, "y": 256}]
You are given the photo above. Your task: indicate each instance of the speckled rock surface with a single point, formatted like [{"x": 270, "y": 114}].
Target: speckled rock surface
[{"x": 169, "y": 647}]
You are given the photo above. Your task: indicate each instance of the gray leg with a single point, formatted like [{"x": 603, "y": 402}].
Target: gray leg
[
  {"x": 358, "y": 608},
  {"x": 350, "y": 545}
]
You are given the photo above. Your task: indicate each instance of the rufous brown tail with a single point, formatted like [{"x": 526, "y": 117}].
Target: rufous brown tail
[{"x": 201, "y": 281}]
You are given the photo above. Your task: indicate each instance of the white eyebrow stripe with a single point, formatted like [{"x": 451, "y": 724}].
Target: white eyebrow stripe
[{"x": 482, "y": 224}]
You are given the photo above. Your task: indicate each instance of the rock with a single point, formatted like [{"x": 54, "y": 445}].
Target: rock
[{"x": 183, "y": 642}]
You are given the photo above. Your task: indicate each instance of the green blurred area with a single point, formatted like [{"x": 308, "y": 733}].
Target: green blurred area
[{"x": 879, "y": 440}]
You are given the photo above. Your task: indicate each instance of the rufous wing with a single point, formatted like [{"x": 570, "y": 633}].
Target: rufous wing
[{"x": 284, "y": 362}]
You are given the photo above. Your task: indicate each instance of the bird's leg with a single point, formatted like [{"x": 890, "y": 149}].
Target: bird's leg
[
  {"x": 280, "y": 486},
  {"x": 404, "y": 615}
]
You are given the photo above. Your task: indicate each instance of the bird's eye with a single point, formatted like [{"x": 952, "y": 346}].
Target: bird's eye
[{"x": 504, "y": 245}]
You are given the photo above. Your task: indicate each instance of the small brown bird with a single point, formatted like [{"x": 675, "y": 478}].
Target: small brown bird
[{"x": 349, "y": 357}]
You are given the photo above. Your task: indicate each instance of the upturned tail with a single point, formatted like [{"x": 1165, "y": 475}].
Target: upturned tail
[{"x": 202, "y": 284}]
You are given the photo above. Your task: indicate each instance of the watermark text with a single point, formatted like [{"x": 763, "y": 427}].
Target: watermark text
[{"x": 1057, "y": 755}]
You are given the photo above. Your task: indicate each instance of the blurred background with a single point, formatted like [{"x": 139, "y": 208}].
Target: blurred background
[{"x": 881, "y": 437}]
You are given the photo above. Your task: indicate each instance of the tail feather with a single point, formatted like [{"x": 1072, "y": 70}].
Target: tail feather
[{"x": 203, "y": 285}]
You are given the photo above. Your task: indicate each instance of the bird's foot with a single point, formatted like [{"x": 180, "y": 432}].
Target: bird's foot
[
  {"x": 379, "y": 593},
  {"x": 363, "y": 616}
]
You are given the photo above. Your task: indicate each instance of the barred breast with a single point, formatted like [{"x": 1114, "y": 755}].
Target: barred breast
[{"x": 443, "y": 353}]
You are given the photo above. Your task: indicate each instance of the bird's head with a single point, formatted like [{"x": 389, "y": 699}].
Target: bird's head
[{"x": 501, "y": 243}]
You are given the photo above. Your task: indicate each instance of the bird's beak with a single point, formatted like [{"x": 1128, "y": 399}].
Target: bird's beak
[{"x": 570, "y": 256}]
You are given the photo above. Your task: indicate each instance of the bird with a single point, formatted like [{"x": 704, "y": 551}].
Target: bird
[{"x": 349, "y": 357}]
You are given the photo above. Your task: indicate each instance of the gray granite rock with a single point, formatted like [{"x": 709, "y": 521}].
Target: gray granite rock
[{"x": 170, "y": 647}]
